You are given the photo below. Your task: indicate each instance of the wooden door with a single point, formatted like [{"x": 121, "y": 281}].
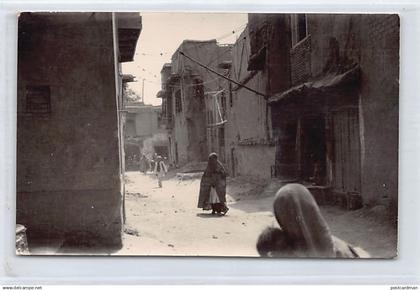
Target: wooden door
[{"x": 346, "y": 144}]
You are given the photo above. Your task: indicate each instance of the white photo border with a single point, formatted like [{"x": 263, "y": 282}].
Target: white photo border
[{"x": 405, "y": 269}]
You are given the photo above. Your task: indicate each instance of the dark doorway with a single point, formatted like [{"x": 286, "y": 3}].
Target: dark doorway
[
  {"x": 313, "y": 148},
  {"x": 286, "y": 153},
  {"x": 132, "y": 154}
]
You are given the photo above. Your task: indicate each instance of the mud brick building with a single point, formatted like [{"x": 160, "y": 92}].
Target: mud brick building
[
  {"x": 190, "y": 108},
  {"x": 335, "y": 121},
  {"x": 69, "y": 126}
]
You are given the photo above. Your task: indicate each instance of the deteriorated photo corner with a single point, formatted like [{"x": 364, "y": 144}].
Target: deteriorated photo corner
[{"x": 205, "y": 134}]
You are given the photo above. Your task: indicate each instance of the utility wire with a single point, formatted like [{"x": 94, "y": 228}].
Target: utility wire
[
  {"x": 234, "y": 31},
  {"x": 221, "y": 75}
]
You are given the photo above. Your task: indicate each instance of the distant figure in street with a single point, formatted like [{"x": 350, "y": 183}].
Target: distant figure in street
[
  {"x": 303, "y": 231},
  {"x": 160, "y": 169},
  {"x": 144, "y": 164},
  {"x": 167, "y": 164},
  {"x": 213, "y": 187},
  {"x": 153, "y": 162}
]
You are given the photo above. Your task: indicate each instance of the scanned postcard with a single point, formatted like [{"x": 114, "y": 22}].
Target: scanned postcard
[{"x": 206, "y": 134}]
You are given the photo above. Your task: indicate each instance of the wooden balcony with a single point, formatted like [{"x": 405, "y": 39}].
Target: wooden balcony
[
  {"x": 300, "y": 61},
  {"x": 129, "y": 28}
]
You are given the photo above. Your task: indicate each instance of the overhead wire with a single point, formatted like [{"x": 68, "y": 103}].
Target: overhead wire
[
  {"x": 236, "y": 30},
  {"x": 225, "y": 77}
]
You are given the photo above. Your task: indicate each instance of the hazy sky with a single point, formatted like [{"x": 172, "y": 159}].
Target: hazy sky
[{"x": 161, "y": 35}]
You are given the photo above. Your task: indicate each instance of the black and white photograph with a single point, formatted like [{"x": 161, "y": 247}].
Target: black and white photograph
[{"x": 265, "y": 135}]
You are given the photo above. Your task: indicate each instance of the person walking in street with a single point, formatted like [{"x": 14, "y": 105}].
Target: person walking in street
[
  {"x": 213, "y": 187},
  {"x": 160, "y": 169},
  {"x": 303, "y": 230},
  {"x": 144, "y": 164},
  {"x": 153, "y": 162}
]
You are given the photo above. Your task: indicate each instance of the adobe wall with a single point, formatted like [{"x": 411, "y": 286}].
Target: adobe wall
[
  {"x": 68, "y": 162},
  {"x": 247, "y": 122},
  {"x": 247, "y": 114}
]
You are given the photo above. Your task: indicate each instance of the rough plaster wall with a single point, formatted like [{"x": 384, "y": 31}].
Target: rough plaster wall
[
  {"x": 239, "y": 62},
  {"x": 250, "y": 111},
  {"x": 333, "y": 36},
  {"x": 255, "y": 160},
  {"x": 69, "y": 163},
  {"x": 247, "y": 118},
  {"x": 241, "y": 52},
  {"x": 58, "y": 215},
  {"x": 379, "y": 108}
]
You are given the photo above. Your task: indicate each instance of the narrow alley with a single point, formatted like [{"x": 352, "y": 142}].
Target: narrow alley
[{"x": 250, "y": 101}]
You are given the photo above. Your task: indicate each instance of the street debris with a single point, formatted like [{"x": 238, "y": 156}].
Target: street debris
[{"x": 132, "y": 232}]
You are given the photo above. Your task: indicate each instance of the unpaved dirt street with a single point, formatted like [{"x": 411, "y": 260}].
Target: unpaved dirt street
[
  {"x": 169, "y": 223},
  {"x": 166, "y": 221}
]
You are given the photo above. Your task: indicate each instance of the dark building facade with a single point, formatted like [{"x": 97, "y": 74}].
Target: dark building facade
[
  {"x": 249, "y": 148},
  {"x": 335, "y": 110},
  {"x": 69, "y": 129}
]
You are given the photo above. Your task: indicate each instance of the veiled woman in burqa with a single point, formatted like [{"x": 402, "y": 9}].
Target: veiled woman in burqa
[
  {"x": 303, "y": 230},
  {"x": 213, "y": 187}
]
